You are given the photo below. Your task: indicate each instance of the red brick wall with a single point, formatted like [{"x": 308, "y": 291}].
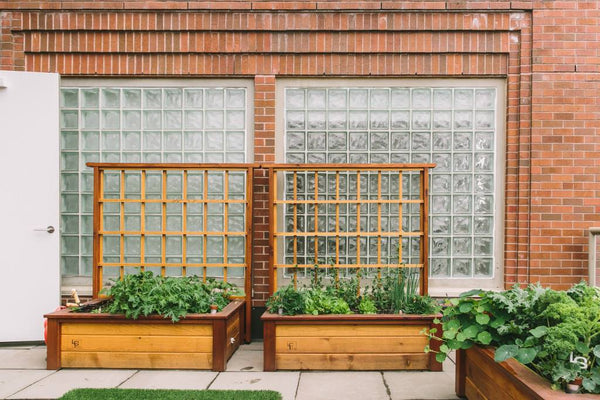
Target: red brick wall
[{"x": 546, "y": 50}]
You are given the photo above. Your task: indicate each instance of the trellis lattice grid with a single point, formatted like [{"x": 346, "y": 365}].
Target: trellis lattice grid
[
  {"x": 348, "y": 216},
  {"x": 173, "y": 219}
]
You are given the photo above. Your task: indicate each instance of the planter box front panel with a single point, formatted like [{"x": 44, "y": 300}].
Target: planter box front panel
[
  {"x": 479, "y": 377},
  {"x": 350, "y": 347},
  {"x": 199, "y": 341},
  {"x": 107, "y": 345},
  {"x": 347, "y": 343}
]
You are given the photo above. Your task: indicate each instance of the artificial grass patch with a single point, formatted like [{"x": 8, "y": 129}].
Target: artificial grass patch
[{"x": 168, "y": 394}]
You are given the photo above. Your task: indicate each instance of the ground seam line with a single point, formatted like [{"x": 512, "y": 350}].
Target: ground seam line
[
  {"x": 387, "y": 388},
  {"x": 298, "y": 384},
  {"x": 31, "y": 384},
  {"x": 213, "y": 380},
  {"x": 128, "y": 378}
]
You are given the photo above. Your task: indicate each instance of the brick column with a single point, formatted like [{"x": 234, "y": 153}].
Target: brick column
[{"x": 264, "y": 152}]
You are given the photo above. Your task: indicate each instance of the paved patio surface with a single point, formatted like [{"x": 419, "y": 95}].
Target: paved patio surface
[{"x": 23, "y": 376}]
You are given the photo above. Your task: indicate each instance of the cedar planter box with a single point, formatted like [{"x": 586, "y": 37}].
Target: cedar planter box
[
  {"x": 479, "y": 377},
  {"x": 198, "y": 341},
  {"x": 348, "y": 342}
]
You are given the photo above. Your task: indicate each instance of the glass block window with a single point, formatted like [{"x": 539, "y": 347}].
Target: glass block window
[
  {"x": 132, "y": 125},
  {"x": 454, "y": 127}
]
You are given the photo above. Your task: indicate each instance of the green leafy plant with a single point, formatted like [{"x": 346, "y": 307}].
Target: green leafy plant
[
  {"x": 289, "y": 300},
  {"x": 556, "y": 333},
  {"x": 172, "y": 297},
  {"x": 367, "y": 306},
  {"x": 395, "y": 291}
]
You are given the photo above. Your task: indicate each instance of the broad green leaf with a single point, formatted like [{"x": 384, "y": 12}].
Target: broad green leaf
[
  {"x": 427, "y": 349},
  {"x": 465, "y": 307},
  {"x": 444, "y": 348},
  {"x": 452, "y": 324},
  {"x": 505, "y": 352},
  {"x": 471, "y": 293},
  {"x": 466, "y": 345},
  {"x": 497, "y": 322},
  {"x": 482, "y": 319},
  {"x": 589, "y": 384},
  {"x": 471, "y": 331},
  {"x": 526, "y": 355},
  {"x": 484, "y": 338},
  {"x": 597, "y": 350},
  {"x": 449, "y": 334},
  {"x": 454, "y": 302},
  {"x": 440, "y": 357},
  {"x": 454, "y": 344},
  {"x": 582, "y": 348},
  {"x": 539, "y": 331},
  {"x": 461, "y": 337}
]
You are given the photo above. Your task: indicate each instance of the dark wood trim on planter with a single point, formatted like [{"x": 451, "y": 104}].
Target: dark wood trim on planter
[
  {"x": 348, "y": 342},
  {"x": 105, "y": 340},
  {"x": 479, "y": 377}
]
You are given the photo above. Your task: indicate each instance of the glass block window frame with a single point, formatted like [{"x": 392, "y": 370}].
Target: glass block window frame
[
  {"x": 419, "y": 122},
  {"x": 136, "y": 121}
]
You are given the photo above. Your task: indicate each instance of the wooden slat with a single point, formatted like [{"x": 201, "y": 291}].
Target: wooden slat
[
  {"x": 178, "y": 166},
  {"x": 225, "y": 225},
  {"x": 496, "y": 386},
  {"x": 345, "y": 167},
  {"x": 184, "y": 223},
  {"x": 351, "y": 266},
  {"x": 163, "y": 237},
  {"x": 248, "y": 254},
  {"x": 364, "y": 344},
  {"x": 136, "y": 360},
  {"x": 233, "y": 327},
  {"x": 363, "y": 201},
  {"x": 351, "y": 234},
  {"x": 136, "y": 329},
  {"x": 137, "y": 343},
  {"x": 471, "y": 391},
  {"x": 352, "y": 362},
  {"x": 313, "y": 330}
]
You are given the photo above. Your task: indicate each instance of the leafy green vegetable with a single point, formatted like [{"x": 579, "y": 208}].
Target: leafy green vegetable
[
  {"x": 556, "y": 333},
  {"x": 172, "y": 297},
  {"x": 394, "y": 291}
]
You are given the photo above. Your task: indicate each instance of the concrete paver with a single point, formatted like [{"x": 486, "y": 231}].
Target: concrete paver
[
  {"x": 12, "y": 381},
  {"x": 341, "y": 385},
  {"x": 282, "y": 382},
  {"x": 57, "y": 384},
  {"x": 28, "y": 358},
  {"x": 405, "y": 385},
  {"x": 246, "y": 358},
  {"x": 189, "y": 380}
]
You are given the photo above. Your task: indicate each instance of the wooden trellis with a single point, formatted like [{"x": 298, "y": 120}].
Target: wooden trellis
[
  {"x": 193, "y": 189},
  {"x": 288, "y": 201}
]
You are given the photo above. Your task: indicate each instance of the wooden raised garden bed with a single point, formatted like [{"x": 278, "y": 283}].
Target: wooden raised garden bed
[
  {"x": 348, "y": 342},
  {"x": 479, "y": 377},
  {"x": 198, "y": 341}
]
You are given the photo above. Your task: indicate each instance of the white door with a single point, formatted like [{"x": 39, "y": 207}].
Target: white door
[{"x": 29, "y": 185}]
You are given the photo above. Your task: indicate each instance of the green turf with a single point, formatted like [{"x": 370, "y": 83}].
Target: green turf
[{"x": 144, "y": 394}]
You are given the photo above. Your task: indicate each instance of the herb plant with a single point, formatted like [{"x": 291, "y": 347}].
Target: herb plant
[
  {"x": 556, "y": 333},
  {"x": 172, "y": 297},
  {"x": 394, "y": 292}
]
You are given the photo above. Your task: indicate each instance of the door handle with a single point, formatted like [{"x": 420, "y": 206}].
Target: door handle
[{"x": 49, "y": 229}]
